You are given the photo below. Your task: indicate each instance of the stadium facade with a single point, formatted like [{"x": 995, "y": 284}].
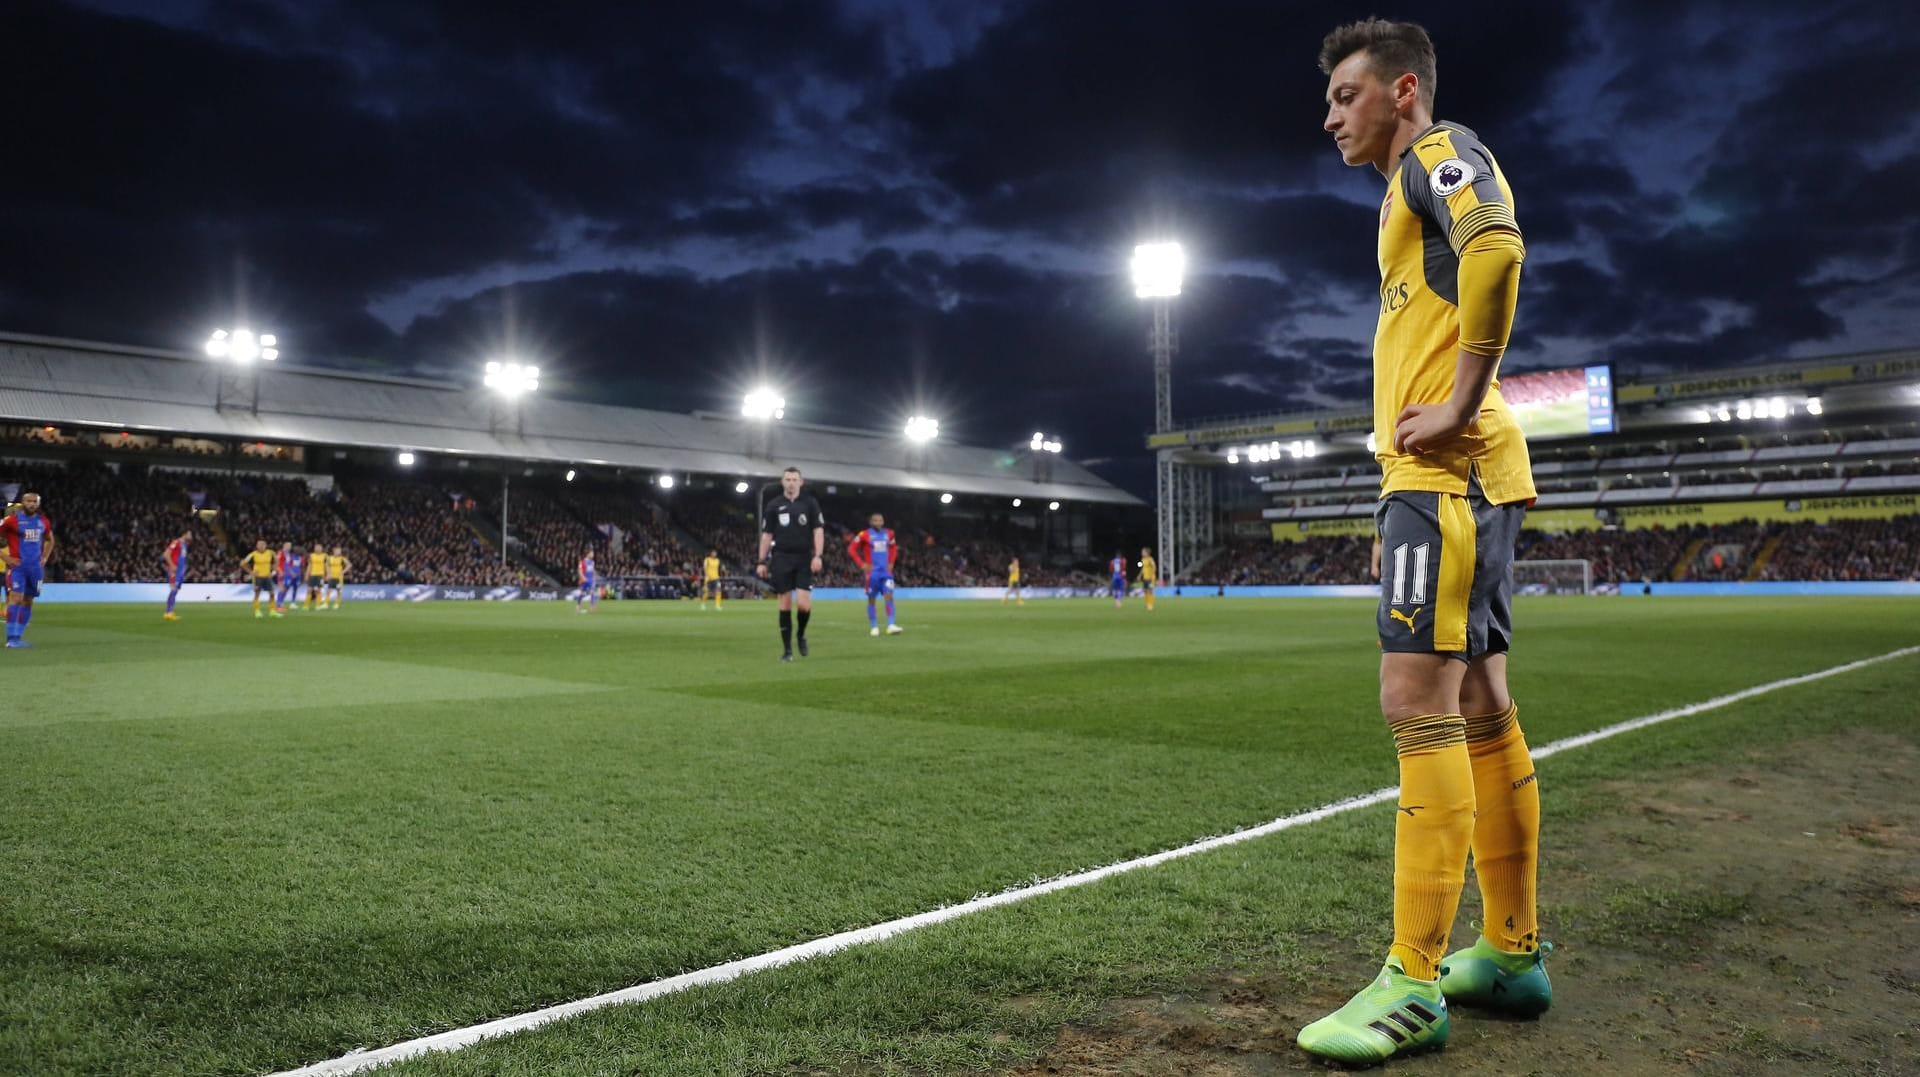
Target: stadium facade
[{"x": 1828, "y": 438}]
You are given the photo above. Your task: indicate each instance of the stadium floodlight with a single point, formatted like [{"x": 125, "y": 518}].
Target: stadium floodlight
[
  {"x": 763, "y": 403},
  {"x": 1016, "y": 502},
  {"x": 1745, "y": 410},
  {"x": 1053, "y": 506},
  {"x": 570, "y": 474},
  {"x": 946, "y": 499},
  {"x": 242, "y": 346},
  {"x": 1044, "y": 442},
  {"x": 406, "y": 459},
  {"x": 1158, "y": 269},
  {"x": 1814, "y": 406},
  {"x": 922, "y": 428},
  {"x": 665, "y": 481},
  {"x": 511, "y": 379},
  {"x": 1779, "y": 407},
  {"x": 739, "y": 487},
  {"x": 1233, "y": 456}
]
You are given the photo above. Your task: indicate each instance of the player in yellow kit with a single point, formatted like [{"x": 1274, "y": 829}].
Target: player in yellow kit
[
  {"x": 317, "y": 577},
  {"x": 337, "y": 568},
  {"x": 1456, "y": 481},
  {"x": 258, "y": 564},
  {"x": 1149, "y": 575},
  {"x": 710, "y": 580},
  {"x": 1013, "y": 583}
]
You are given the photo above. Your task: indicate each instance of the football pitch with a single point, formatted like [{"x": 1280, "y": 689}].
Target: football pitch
[{"x": 231, "y": 846}]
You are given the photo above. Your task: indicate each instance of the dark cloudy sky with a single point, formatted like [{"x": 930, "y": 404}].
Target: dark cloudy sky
[{"x": 891, "y": 205}]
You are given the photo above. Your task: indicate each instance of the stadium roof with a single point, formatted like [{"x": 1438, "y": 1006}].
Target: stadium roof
[{"x": 49, "y": 380}]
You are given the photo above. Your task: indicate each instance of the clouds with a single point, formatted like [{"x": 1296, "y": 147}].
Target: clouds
[{"x": 922, "y": 203}]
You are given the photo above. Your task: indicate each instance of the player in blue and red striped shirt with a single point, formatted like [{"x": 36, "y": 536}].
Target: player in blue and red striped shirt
[
  {"x": 589, "y": 586},
  {"x": 29, "y": 545},
  {"x": 286, "y": 567},
  {"x": 176, "y": 559},
  {"x": 875, "y": 550},
  {"x": 1118, "y": 585}
]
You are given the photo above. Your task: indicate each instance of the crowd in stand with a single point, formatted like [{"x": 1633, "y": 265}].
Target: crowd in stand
[
  {"x": 420, "y": 535},
  {"x": 1315, "y": 560},
  {"x": 112, "y": 524},
  {"x": 1848, "y": 550},
  {"x": 1617, "y": 556}
]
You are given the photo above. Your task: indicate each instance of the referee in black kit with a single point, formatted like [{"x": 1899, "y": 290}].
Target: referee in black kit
[{"x": 792, "y": 531}]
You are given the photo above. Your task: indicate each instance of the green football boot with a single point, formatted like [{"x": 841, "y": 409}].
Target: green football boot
[
  {"x": 1484, "y": 976},
  {"x": 1394, "y": 1015}
]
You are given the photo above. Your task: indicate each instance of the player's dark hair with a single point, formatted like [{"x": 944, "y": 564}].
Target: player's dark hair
[
  {"x": 1392, "y": 48},
  {"x": 791, "y": 471}
]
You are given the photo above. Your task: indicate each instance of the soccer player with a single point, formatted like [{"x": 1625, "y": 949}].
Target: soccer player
[
  {"x": 710, "y": 581},
  {"x": 875, "y": 550},
  {"x": 287, "y": 567},
  {"x": 1117, "y": 568},
  {"x": 1149, "y": 573},
  {"x": 317, "y": 576},
  {"x": 260, "y": 564},
  {"x": 792, "y": 537},
  {"x": 1013, "y": 583},
  {"x": 589, "y": 586},
  {"x": 338, "y": 566},
  {"x": 29, "y": 547},
  {"x": 176, "y": 560},
  {"x": 1455, "y": 482}
]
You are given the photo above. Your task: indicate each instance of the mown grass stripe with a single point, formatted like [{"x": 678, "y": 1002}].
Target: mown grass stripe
[{"x": 456, "y": 1039}]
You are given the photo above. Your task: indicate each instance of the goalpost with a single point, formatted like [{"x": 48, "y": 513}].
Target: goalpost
[{"x": 1571, "y": 577}]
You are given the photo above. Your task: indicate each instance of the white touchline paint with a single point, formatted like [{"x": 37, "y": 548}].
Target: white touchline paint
[{"x": 360, "y": 1061}]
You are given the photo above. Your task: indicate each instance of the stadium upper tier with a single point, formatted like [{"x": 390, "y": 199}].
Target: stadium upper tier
[{"x": 103, "y": 385}]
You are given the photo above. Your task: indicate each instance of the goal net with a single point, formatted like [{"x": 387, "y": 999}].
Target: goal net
[{"x": 1553, "y": 577}]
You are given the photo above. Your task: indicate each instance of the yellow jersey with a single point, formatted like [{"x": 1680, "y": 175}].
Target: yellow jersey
[
  {"x": 336, "y": 567},
  {"x": 712, "y": 565},
  {"x": 316, "y": 564},
  {"x": 261, "y": 562},
  {"x": 1446, "y": 191},
  {"x": 1013, "y": 573},
  {"x": 1149, "y": 572}
]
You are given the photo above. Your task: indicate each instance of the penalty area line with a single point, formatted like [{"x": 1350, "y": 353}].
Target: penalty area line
[{"x": 456, "y": 1039}]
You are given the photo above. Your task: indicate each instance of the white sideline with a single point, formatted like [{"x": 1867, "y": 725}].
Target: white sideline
[{"x": 454, "y": 1040}]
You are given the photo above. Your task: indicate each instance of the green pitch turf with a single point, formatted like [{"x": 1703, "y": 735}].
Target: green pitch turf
[{"x": 237, "y": 846}]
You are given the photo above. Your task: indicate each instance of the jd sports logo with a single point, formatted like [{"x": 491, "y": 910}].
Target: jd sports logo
[{"x": 1396, "y": 615}]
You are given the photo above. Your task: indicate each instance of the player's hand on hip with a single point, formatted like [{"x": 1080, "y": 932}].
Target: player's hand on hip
[{"x": 1425, "y": 427}]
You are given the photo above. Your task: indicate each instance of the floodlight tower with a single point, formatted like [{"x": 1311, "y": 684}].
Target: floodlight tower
[
  {"x": 1183, "y": 493},
  {"x": 239, "y": 353},
  {"x": 510, "y": 383},
  {"x": 920, "y": 431},
  {"x": 763, "y": 407},
  {"x": 1041, "y": 449}
]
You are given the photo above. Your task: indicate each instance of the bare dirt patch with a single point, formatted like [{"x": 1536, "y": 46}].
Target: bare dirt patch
[{"x": 1757, "y": 918}]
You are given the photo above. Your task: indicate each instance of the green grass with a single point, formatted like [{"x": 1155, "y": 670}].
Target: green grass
[{"x": 233, "y": 846}]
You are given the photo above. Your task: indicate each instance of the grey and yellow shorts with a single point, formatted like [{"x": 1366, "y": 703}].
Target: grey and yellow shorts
[{"x": 1446, "y": 572}]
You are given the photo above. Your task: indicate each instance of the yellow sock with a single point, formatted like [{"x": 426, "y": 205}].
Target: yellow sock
[
  {"x": 1506, "y": 834},
  {"x": 1431, "y": 836},
  {"x": 256, "y": 602},
  {"x": 1149, "y": 599}
]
